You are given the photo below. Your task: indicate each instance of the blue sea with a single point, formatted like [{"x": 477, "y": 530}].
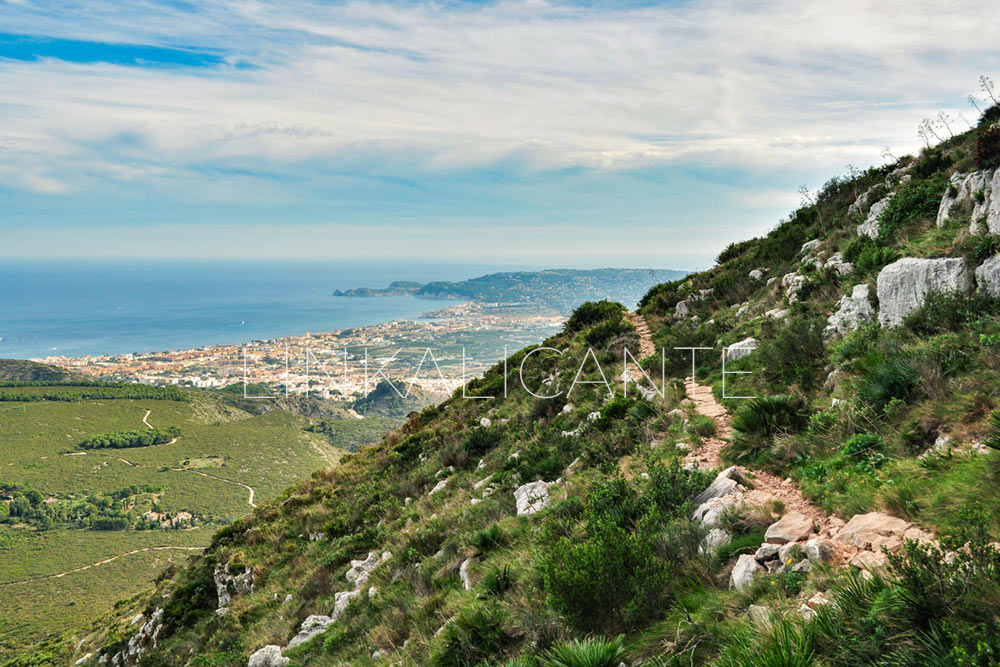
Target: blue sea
[{"x": 116, "y": 307}]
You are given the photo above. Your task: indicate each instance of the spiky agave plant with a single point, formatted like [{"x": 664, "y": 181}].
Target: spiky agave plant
[{"x": 592, "y": 652}]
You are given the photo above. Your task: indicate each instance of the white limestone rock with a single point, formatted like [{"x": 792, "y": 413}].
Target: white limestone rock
[
  {"x": 852, "y": 312},
  {"x": 778, "y": 313},
  {"x": 793, "y": 283},
  {"x": 743, "y": 572},
  {"x": 837, "y": 264},
  {"x": 728, "y": 481},
  {"x": 741, "y": 348},
  {"x": 228, "y": 586},
  {"x": 978, "y": 192},
  {"x": 988, "y": 276},
  {"x": 532, "y": 497},
  {"x": 269, "y": 656},
  {"x": 810, "y": 245},
  {"x": 485, "y": 422},
  {"x": 716, "y": 538},
  {"x": 463, "y": 574},
  {"x": 790, "y": 528},
  {"x": 440, "y": 486},
  {"x": 313, "y": 625},
  {"x": 756, "y": 274},
  {"x": 870, "y": 226},
  {"x": 682, "y": 309},
  {"x": 903, "y": 286}
]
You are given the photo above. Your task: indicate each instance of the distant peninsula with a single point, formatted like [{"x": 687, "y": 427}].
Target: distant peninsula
[{"x": 560, "y": 289}]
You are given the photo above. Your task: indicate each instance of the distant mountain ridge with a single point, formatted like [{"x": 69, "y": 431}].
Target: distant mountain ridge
[{"x": 561, "y": 289}]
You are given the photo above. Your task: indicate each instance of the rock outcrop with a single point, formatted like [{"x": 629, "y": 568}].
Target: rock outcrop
[
  {"x": 743, "y": 572},
  {"x": 904, "y": 285},
  {"x": 852, "y": 312},
  {"x": 792, "y": 527},
  {"x": 741, "y": 348},
  {"x": 532, "y": 497},
  {"x": 988, "y": 276},
  {"x": 269, "y": 656},
  {"x": 979, "y": 193},
  {"x": 228, "y": 586},
  {"x": 870, "y": 226}
]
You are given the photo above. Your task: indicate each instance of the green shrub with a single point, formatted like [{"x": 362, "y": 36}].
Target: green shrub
[
  {"x": 592, "y": 652},
  {"x": 475, "y": 635},
  {"x": 794, "y": 353},
  {"x": 892, "y": 378},
  {"x": 482, "y": 440},
  {"x": 992, "y": 439},
  {"x": 988, "y": 146},
  {"x": 863, "y": 444},
  {"x": 951, "y": 311},
  {"x": 592, "y": 312},
  {"x": 757, "y": 421},
  {"x": 873, "y": 258},
  {"x": 702, "y": 426},
  {"x": 487, "y": 539},
  {"x": 915, "y": 201},
  {"x": 496, "y": 582}
]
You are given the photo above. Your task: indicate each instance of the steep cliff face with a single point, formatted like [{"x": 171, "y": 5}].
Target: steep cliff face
[{"x": 576, "y": 497}]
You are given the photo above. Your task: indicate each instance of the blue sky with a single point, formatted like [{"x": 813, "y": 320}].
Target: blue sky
[{"x": 563, "y": 134}]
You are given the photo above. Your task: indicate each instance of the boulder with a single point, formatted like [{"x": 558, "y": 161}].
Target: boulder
[
  {"x": 820, "y": 551},
  {"x": 792, "y": 527},
  {"x": 870, "y": 561},
  {"x": 228, "y": 586},
  {"x": 312, "y": 626},
  {"x": 861, "y": 203},
  {"x": 743, "y": 572},
  {"x": 778, "y": 313},
  {"x": 864, "y": 526},
  {"x": 988, "y": 276},
  {"x": 728, "y": 481},
  {"x": 485, "y": 422},
  {"x": 532, "y": 497},
  {"x": 440, "y": 486},
  {"x": 806, "y": 612},
  {"x": 269, "y": 656},
  {"x": 870, "y": 226},
  {"x": 810, "y": 245},
  {"x": 715, "y": 539},
  {"x": 682, "y": 309},
  {"x": 804, "y": 566},
  {"x": 463, "y": 574},
  {"x": 341, "y": 601},
  {"x": 756, "y": 274},
  {"x": 793, "y": 282},
  {"x": 766, "y": 552},
  {"x": 837, "y": 264},
  {"x": 741, "y": 348},
  {"x": 852, "y": 312},
  {"x": 904, "y": 285},
  {"x": 361, "y": 569},
  {"x": 986, "y": 213},
  {"x": 710, "y": 512}
]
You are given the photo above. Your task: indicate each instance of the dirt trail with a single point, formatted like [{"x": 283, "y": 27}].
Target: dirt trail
[
  {"x": 100, "y": 562},
  {"x": 646, "y": 346},
  {"x": 222, "y": 479},
  {"x": 145, "y": 421},
  {"x": 766, "y": 485}
]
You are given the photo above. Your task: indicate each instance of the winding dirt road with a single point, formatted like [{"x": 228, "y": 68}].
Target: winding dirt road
[
  {"x": 222, "y": 479},
  {"x": 100, "y": 562}
]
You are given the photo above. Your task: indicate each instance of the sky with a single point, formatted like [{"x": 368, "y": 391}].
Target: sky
[{"x": 544, "y": 133}]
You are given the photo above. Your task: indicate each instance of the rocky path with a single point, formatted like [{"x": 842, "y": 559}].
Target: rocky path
[
  {"x": 145, "y": 418},
  {"x": 100, "y": 562},
  {"x": 646, "y": 346},
  {"x": 858, "y": 541}
]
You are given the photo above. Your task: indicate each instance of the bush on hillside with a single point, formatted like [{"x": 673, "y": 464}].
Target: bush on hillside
[
  {"x": 917, "y": 200},
  {"x": 475, "y": 636},
  {"x": 591, "y": 652},
  {"x": 951, "y": 311},
  {"x": 758, "y": 421},
  {"x": 988, "y": 143},
  {"x": 592, "y": 312},
  {"x": 888, "y": 379},
  {"x": 794, "y": 353}
]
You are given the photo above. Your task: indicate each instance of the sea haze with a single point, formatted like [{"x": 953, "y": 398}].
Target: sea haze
[{"x": 76, "y": 308}]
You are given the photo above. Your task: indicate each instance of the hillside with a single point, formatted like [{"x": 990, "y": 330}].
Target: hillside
[
  {"x": 385, "y": 400},
  {"x": 845, "y": 515},
  {"x": 558, "y": 289},
  {"x": 20, "y": 370},
  {"x": 103, "y": 485}
]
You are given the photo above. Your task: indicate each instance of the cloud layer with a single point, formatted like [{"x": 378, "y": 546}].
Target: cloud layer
[{"x": 352, "y": 104}]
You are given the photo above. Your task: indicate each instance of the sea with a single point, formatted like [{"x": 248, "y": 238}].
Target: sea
[{"x": 76, "y": 308}]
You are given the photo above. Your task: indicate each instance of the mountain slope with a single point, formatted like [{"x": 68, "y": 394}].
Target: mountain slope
[{"x": 501, "y": 530}]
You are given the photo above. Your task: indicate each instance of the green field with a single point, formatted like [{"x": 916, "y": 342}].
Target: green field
[{"x": 222, "y": 453}]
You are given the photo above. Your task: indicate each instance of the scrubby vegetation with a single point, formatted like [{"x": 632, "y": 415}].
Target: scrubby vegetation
[
  {"x": 136, "y": 438},
  {"x": 898, "y": 419}
]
